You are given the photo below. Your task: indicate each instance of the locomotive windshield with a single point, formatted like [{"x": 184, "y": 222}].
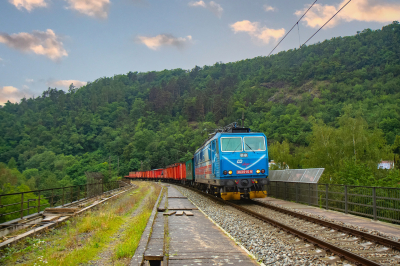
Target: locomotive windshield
[
  {"x": 231, "y": 144},
  {"x": 254, "y": 144}
]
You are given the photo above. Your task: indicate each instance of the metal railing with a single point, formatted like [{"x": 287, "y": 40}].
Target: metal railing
[
  {"x": 378, "y": 203},
  {"x": 21, "y": 204}
]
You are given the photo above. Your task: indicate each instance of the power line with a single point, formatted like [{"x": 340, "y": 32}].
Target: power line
[
  {"x": 292, "y": 27},
  {"x": 326, "y": 22}
]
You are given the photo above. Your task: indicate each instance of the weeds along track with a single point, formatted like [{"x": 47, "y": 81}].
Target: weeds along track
[
  {"x": 330, "y": 242},
  {"x": 52, "y": 217}
]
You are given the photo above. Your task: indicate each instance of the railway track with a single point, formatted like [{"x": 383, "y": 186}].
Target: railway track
[
  {"x": 42, "y": 221},
  {"x": 304, "y": 233}
]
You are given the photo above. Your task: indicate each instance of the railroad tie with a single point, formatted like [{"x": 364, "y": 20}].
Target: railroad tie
[
  {"x": 305, "y": 247},
  {"x": 327, "y": 233},
  {"x": 339, "y": 236},
  {"x": 295, "y": 242},
  {"x": 331, "y": 260},
  {"x": 318, "y": 252},
  {"x": 366, "y": 244},
  {"x": 348, "y": 240},
  {"x": 372, "y": 251}
]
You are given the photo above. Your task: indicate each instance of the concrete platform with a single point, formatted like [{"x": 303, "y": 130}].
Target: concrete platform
[
  {"x": 387, "y": 228},
  {"x": 195, "y": 240}
]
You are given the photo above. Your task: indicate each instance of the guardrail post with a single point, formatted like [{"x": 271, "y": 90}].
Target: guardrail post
[
  {"x": 79, "y": 193},
  {"x": 374, "y": 202},
  {"x": 71, "y": 194},
  {"x": 38, "y": 205},
  {"x": 345, "y": 200},
  {"x": 52, "y": 196},
  {"x": 27, "y": 204},
  {"x": 63, "y": 198},
  {"x": 22, "y": 205},
  {"x": 309, "y": 193},
  {"x": 326, "y": 196},
  {"x": 297, "y": 192},
  {"x": 285, "y": 191}
]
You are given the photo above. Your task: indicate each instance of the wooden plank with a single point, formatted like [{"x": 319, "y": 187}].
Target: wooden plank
[
  {"x": 162, "y": 207},
  {"x": 50, "y": 218},
  {"x": 179, "y": 213},
  {"x": 61, "y": 210},
  {"x": 188, "y": 213},
  {"x": 170, "y": 213}
]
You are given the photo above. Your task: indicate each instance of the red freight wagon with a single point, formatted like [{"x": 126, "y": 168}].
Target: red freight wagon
[
  {"x": 158, "y": 173},
  {"x": 176, "y": 171},
  {"x": 164, "y": 173},
  {"x": 180, "y": 171}
]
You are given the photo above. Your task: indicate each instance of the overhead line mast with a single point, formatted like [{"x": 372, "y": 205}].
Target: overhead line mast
[{"x": 297, "y": 23}]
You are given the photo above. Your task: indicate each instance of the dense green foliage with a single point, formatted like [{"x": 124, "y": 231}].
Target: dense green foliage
[{"x": 335, "y": 104}]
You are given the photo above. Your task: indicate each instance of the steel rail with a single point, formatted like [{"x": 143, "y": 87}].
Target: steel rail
[
  {"x": 321, "y": 243},
  {"x": 355, "y": 232}
]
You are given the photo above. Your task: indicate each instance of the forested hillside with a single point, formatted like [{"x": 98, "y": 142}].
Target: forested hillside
[{"x": 334, "y": 104}]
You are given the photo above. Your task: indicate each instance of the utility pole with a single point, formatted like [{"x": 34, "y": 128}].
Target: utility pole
[
  {"x": 243, "y": 118},
  {"x": 109, "y": 167}
]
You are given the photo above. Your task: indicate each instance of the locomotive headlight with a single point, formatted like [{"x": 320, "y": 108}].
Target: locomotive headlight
[
  {"x": 258, "y": 171},
  {"x": 230, "y": 172},
  {"x": 225, "y": 172},
  {"x": 262, "y": 171}
]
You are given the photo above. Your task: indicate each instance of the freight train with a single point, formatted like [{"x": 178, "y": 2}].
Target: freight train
[{"x": 232, "y": 164}]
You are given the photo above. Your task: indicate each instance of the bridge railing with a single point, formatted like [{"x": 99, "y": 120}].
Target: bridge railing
[
  {"x": 377, "y": 203},
  {"x": 21, "y": 204}
]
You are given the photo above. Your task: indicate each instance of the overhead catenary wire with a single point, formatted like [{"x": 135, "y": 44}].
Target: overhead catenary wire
[
  {"x": 326, "y": 22},
  {"x": 292, "y": 27}
]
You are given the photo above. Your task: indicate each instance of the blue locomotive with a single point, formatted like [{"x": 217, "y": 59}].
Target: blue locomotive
[{"x": 232, "y": 164}]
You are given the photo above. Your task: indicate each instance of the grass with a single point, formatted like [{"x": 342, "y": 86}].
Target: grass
[{"x": 83, "y": 238}]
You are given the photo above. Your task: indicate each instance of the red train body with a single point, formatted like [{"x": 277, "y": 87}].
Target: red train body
[{"x": 176, "y": 171}]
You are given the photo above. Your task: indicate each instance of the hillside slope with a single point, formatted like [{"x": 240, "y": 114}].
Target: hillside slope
[{"x": 152, "y": 119}]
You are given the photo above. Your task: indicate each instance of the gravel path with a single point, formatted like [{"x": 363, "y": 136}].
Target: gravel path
[
  {"x": 106, "y": 257},
  {"x": 264, "y": 241}
]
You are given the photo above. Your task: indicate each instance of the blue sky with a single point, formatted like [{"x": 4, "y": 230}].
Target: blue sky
[{"x": 52, "y": 43}]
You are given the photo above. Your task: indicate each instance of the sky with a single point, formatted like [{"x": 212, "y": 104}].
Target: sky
[{"x": 53, "y": 43}]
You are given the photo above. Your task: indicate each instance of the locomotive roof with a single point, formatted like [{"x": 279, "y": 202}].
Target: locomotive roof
[{"x": 219, "y": 134}]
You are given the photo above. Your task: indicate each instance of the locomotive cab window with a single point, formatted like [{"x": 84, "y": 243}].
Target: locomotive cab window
[
  {"x": 254, "y": 144},
  {"x": 231, "y": 144}
]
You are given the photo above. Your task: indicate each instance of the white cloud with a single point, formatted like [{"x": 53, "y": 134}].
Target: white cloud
[
  {"x": 29, "y": 80},
  {"x": 43, "y": 43},
  {"x": 198, "y": 3},
  {"x": 269, "y": 8},
  {"x": 65, "y": 83},
  {"x": 212, "y": 6},
  {"x": 92, "y": 8},
  {"x": 12, "y": 94},
  {"x": 28, "y": 4},
  {"x": 164, "y": 40},
  {"x": 263, "y": 34},
  {"x": 360, "y": 10}
]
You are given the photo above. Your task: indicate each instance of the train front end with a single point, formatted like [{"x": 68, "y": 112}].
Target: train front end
[{"x": 243, "y": 165}]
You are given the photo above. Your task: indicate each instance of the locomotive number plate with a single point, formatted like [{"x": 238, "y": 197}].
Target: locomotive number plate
[{"x": 241, "y": 172}]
